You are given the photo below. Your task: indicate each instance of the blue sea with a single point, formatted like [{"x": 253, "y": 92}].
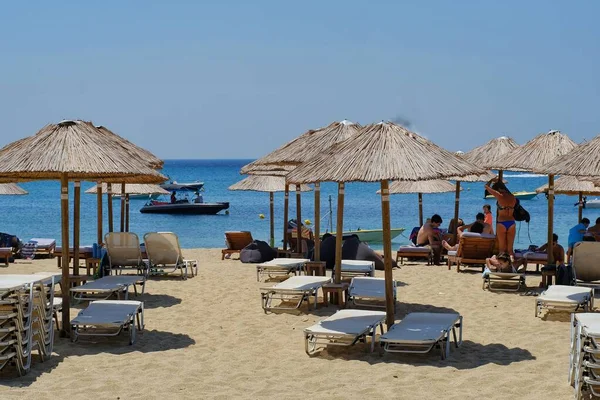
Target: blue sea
[{"x": 38, "y": 214}]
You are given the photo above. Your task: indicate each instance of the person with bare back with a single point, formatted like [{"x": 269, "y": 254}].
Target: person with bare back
[{"x": 506, "y": 226}]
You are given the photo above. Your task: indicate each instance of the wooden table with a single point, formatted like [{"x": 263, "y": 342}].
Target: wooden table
[
  {"x": 335, "y": 290},
  {"x": 316, "y": 268}
]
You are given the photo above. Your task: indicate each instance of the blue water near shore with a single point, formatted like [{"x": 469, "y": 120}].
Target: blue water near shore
[{"x": 38, "y": 214}]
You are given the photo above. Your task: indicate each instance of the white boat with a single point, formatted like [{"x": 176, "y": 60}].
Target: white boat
[
  {"x": 594, "y": 203},
  {"x": 372, "y": 235}
]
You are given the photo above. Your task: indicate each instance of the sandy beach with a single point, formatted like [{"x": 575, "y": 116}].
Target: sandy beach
[{"x": 208, "y": 337}]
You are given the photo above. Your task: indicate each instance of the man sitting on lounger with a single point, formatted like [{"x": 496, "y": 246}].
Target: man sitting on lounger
[
  {"x": 475, "y": 227},
  {"x": 429, "y": 235}
]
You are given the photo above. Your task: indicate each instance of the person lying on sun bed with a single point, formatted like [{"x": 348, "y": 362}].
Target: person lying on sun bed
[
  {"x": 475, "y": 227},
  {"x": 558, "y": 254},
  {"x": 499, "y": 263}
]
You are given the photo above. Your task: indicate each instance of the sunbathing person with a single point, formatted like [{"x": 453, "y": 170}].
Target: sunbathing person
[
  {"x": 499, "y": 263},
  {"x": 475, "y": 227},
  {"x": 429, "y": 235},
  {"x": 479, "y": 218},
  {"x": 558, "y": 254}
]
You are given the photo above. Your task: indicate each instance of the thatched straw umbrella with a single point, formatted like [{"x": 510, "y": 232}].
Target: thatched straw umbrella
[
  {"x": 583, "y": 161},
  {"x": 270, "y": 184},
  {"x": 533, "y": 156},
  {"x": 130, "y": 189},
  {"x": 492, "y": 152},
  {"x": 379, "y": 153},
  {"x": 11, "y": 189},
  {"x": 72, "y": 151},
  {"x": 299, "y": 150},
  {"x": 420, "y": 187},
  {"x": 572, "y": 186}
]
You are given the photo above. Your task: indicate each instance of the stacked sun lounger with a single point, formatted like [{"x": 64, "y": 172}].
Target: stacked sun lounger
[
  {"x": 280, "y": 267},
  {"x": 26, "y": 324},
  {"x": 109, "y": 318},
  {"x": 584, "y": 368}
]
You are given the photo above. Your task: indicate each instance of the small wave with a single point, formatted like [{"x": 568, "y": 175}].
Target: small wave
[{"x": 523, "y": 175}]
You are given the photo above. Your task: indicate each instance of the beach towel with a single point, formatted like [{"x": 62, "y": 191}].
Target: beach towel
[{"x": 28, "y": 250}]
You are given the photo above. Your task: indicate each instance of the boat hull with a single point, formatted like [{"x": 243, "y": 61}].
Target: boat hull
[
  {"x": 138, "y": 196},
  {"x": 592, "y": 204},
  {"x": 372, "y": 235},
  {"x": 185, "y": 209}
]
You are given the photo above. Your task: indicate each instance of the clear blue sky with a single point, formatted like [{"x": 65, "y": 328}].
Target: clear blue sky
[{"x": 235, "y": 79}]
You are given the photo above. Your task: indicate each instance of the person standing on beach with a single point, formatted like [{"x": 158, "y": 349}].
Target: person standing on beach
[
  {"x": 489, "y": 218},
  {"x": 576, "y": 234},
  {"x": 506, "y": 226}
]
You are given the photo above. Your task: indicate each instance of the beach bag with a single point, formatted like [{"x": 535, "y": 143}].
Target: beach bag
[
  {"x": 413, "y": 235},
  {"x": 565, "y": 275},
  {"x": 520, "y": 213}
]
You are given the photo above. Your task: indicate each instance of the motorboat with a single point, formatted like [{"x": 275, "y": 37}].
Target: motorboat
[
  {"x": 137, "y": 196},
  {"x": 189, "y": 186},
  {"x": 594, "y": 203},
  {"x": 518, "y": 195},
  {"x": 183, "y": 206},
  {"x": 372, "y": 235}
]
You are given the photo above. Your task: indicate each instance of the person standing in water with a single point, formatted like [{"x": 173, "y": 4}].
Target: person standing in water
[{"x": 506, "y": 226}]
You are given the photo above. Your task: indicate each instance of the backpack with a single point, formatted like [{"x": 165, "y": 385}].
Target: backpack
[
  {"x": 565, "y": 275},
  {"x": 520, "y": 213}
]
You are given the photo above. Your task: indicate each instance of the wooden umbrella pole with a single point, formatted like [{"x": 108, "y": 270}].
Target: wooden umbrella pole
[
  {"x": 271, "y": 220},
  {"x": 286, "y": 204},
  {"x": 127, "y": 213},
  {"x": 317, "y": 221},
  {"x": 298, "y": 219},
  {"x": 387, "y": 254},
  {"x": 580, "y": 208},
  {"x": 110, "y": 206},
  {"x": 64, "y": 213},
  {"x": 551, "y": 219},
  {"x": 99, "y": 205},
  {"x": 420, "y": 209},
  {"x": 76, "y": 224},
  {"x": 122, "y": 207},
  {"x": 339, "y": 233},
  {"x": 456, "y": 205}
]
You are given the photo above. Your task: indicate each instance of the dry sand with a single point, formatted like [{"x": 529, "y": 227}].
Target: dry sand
[{"x": 208, "y": 337}]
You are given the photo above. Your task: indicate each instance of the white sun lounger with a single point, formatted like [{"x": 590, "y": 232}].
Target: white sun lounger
[
  {"x": 344, "y": 328},
  {"x": 109, "y": 318},
  {"x": 421, "y": 332},
  {"x": 363, "y": 291},
  {"x": 505, "y": 281},
  {"x": 164, "y": 251},
  {"x": 280, "y": 267},
  {"x": 295, "y": 289},
  {"x": 565, "y": 298},
  {"x": 105, "y": 287},
  {"x": 352, "y": 268}
]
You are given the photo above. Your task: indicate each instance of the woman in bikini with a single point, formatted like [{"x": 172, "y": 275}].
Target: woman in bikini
[{"x": 506, "y": 225}]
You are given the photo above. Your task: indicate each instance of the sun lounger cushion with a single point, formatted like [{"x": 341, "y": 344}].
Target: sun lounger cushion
[
  {"x": 413, "y": 249},
  {"x": 44, "y": 243},
  {"x": 481, "y": 235},
  {"x": 347, "y": 322},
  {"x": 300, "y": 283},
  {"x": 566, "y": 294},
  {"x": 107, "y": 313}
]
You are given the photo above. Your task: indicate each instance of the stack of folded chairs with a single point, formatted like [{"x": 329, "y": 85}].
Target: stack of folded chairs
[
  {"x": 584, "y": 371},
  {"x": 26, "y": 323}
]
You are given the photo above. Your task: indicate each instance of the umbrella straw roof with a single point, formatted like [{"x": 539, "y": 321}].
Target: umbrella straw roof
[
  {"x": 130, "y": 188},
  {"x": 306, "y": 146},
  {"x": 536, "y": 153},
  {"x": 383, "y": 151},
  {"x": 135, "y": 150},
  {"x": 571, "y": 185},
  {"x": 492, "y": 152},
  {"x": 581, "y": 161},
  {"x": 259, "y": 183},
  {"x": 433, "y": 186},
  {"x": 11, "y": 189},
  {"x": 75, "y": 148}
]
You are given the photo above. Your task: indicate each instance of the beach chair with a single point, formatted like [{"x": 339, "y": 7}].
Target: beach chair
[
  {"x": 280, "y": 267},
  {"x": 294, "y": 290},
  {"x": 164, "y": 252},
  {"x": 106, "y": 287},
  {"x": 44, "y": 246},
  {"x": 123, "y": 249},
  {"x": 584, "y": 360},
  {"x": 473, "y": 249},
  {"x": 585, "y": 263},
  {"x": 344, "y": 328},
  {"x": 421, "y": 332},
  {"x": 235, "y": 242},
  {"x": 413, "y": 252},
  {"x": 109, "y": 318},
  {"x": 352, "y": 268},
  {"x": 368, "y": 292},
  {"x": 505, "y": 281},
  {"x": 565, "y": 298}
]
